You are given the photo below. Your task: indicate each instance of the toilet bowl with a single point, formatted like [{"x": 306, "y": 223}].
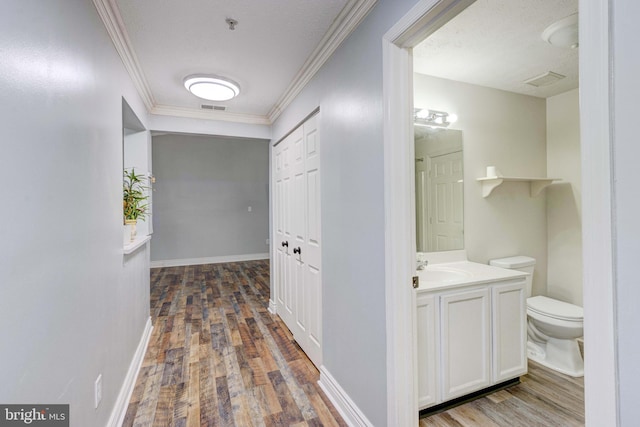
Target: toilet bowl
[{"x": 552, "y": 325}]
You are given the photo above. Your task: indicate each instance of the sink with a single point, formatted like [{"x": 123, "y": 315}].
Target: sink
[{"x": 434, "y": 275}]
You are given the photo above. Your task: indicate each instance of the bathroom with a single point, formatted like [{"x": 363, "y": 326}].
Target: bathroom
[{"x": 533, "y": 133}]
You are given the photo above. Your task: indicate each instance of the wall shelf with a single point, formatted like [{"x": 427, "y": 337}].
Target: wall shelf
[
  {"x": 536, "y": 185},
  {"x": 138, "y": 242}
]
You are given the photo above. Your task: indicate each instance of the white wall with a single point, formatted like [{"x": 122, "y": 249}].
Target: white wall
[
  {"x": 348, "y": 90},
  {"x": 171, "y": 124},
  {"x": 137, "y": 147},
  {"x": 508, "y": 131},
  {"x": 564, "y": 199},
  {"x": 204, "y": 187},
  {"x": 67, "y": 311}
]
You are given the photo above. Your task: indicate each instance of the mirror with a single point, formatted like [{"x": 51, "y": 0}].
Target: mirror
[{"x": 439, "y": 189}]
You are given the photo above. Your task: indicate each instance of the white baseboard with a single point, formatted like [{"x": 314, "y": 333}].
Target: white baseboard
[
  {"x": 208, "y": 260},
  {"x": 120, "y": 408},
  {"x": 272, "y": 307},
  {"x": 351, "y": 414}
]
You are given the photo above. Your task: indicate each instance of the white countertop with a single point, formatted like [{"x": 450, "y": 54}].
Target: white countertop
[{"x": 456, "y": 274}]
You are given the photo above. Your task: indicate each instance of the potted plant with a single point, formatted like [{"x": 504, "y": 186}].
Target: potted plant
[{"x": 134, "y": 199}]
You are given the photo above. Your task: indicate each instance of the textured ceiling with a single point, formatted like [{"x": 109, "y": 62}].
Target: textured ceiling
[
  {"x": 498, "y": 44},
  {"x": 273, "y": 39}
]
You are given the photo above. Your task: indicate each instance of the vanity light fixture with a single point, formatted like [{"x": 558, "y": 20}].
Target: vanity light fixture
[
  {"x": 433, "y": 118},
  {"x": 212, "y": 88}
]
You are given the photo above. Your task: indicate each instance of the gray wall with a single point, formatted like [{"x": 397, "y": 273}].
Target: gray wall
[
  {"x": 67, "y": 310},
  {"x": 348, "y": 90},
  {"x": 204, "y": 186},
  {"x": 626, "y": 204}
]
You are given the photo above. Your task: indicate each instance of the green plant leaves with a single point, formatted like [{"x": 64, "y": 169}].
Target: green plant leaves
[{"x": 134, "y": 195}]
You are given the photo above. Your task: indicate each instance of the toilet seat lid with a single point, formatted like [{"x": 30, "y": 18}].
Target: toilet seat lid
[{"x": 554, "y": 308}]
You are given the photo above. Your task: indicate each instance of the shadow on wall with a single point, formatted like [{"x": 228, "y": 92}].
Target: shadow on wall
[{"x": 564, "y": 237}]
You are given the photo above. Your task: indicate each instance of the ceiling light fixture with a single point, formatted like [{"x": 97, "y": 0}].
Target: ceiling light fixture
[
  {"x": 212, "y": 88},
  {"x": 433, "y": 118},
  {"x": 563, "y": 33}
]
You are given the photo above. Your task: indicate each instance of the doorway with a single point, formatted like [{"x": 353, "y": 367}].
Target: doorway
[{"x": 425, "y": 18}]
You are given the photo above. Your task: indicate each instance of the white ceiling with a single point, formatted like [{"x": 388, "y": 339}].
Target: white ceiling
[
  {"x": 265, "y": 53},
  {"x": 498, "y": 44}
]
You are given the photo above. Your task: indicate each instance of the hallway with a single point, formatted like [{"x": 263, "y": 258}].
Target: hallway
[{"x": 218, "y": 357}]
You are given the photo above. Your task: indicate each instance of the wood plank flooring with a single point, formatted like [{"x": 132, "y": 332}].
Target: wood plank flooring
[
  {"x": 217, "y": 357},
  {"x": 543, "y": 398}
]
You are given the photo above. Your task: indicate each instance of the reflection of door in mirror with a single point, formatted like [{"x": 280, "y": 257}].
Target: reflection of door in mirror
[{"x": 439, "y": 189}]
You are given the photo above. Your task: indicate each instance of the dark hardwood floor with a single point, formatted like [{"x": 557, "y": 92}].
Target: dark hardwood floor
[{"x": 217, "y": 357}]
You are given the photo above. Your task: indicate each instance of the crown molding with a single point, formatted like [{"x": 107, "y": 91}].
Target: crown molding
[
  {"x": 344, "y": 24},
  {"x": 193, "y": 113},
  {"x": 110, "y": 15}
]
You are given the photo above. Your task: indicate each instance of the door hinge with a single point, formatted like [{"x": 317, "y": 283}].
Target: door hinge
[{"x": 415, "y": 281}]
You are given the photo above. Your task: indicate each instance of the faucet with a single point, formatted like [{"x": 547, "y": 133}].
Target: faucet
[{"x": 422, "y": 264}]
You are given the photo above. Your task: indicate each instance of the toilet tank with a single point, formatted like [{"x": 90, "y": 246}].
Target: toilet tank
[{"x": 520, "y": 263}]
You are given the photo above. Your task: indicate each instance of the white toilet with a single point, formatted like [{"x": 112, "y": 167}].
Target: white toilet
[{"x": 553, "y": 325}]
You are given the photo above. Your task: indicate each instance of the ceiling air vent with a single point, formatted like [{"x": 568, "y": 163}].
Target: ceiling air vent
[
  {"x": 213, "y": 107},
  {"x": 544, "y": 79}
]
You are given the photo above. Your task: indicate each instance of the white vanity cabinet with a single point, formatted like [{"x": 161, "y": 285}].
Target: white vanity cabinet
[
  {"x": 428, "y": 354},
  {"x": 469, "y": 338},
  {"x": 465, "y": 339},
  {"x": 509, "y": 330}
]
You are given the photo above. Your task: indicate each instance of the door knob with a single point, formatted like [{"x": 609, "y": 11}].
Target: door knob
[
  {"x": 297, "y": 251},
  {"x": 285, "y": 244}
]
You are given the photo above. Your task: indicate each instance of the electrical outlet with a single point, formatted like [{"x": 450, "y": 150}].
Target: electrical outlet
[
  {"x": 267, "y": 242},
  {"x": 98, "y": 390},
  {"x": 249, "y": 209}
]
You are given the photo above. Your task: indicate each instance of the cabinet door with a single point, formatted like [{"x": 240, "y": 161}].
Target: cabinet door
[
  {"x": 427, "y": 351},
  {"x": 466, "y": 342},
  {"x": 509, "y": 331}
]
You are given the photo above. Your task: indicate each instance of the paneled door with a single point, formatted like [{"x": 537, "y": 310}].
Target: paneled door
[
  {"x": 282, "y": 227},
  {"x": 509, "y": 312},
  {"x": 466, "y": 342},
  {"x": 446, "y": 189},
  {"x": 297, "y": 230}
]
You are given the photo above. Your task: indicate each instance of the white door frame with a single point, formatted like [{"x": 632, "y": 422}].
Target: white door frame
[
  {"x": 601, "y": 399},
  {"x": 601, "y": 377}
]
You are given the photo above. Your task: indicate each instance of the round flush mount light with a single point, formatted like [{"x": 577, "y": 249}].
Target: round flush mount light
[
  {"x": 212, "y": 88},
  {"x": 563, "y": 33}
]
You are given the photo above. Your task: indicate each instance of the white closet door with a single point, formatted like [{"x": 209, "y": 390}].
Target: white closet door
[
  {"x": 311, "y": 253},
  {"x": 283, "y": 229},
  {"x": 298, "y": 234},
  {"x": 297, "y": 237}
]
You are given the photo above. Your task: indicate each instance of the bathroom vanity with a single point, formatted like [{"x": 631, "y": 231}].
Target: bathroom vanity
[{"x": 471, "y": 329}]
